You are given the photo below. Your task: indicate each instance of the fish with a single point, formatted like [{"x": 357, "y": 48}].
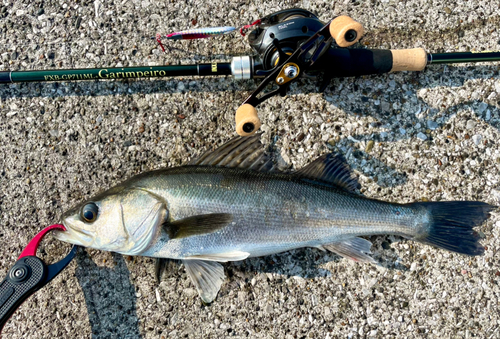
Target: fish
[{"x": 235, "y": 203}]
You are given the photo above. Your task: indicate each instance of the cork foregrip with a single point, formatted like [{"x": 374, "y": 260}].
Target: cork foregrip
[
  {"x": 246, "y": 114},
  {"x": 339, "y": 27},
  {"x": 408, "y": 59}
]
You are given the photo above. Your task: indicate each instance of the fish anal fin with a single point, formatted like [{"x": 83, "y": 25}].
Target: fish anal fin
[
  {"x": 356, "y": 249},
  {"x": 207, "y": 276},
  {"x": 331, "y": 169},
  {"x": 222, "y": 257},
  {"x": 197, "y": 225}
]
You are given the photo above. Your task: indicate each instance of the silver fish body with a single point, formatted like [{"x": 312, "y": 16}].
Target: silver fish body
[
  {"x": 271, "y": 213},
  {"x": 230, "y": 206}
]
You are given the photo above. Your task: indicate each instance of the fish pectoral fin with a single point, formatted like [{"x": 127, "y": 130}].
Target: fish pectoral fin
[
  {"x": 197, "y": 225},
  {"x": 207, "y": 276},
  {"x": 222, "y": 257},
  {"x": 356, "y": 249}
]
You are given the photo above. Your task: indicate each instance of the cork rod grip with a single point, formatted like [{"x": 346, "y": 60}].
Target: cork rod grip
[{"x": 408, "y": 59}]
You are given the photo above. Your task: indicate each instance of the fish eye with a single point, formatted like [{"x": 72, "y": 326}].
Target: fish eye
[{"x": 89, "y": 212}]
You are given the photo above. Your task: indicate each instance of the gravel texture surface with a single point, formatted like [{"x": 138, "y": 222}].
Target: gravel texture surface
[{"x": 409, "y": 136}]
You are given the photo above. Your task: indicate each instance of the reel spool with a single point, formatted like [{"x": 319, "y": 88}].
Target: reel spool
[{"x": 290, "y": 27}]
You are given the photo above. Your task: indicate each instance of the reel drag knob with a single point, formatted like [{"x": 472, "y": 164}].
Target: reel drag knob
[
  {"x": 346, "y": 31},
  {"x": 247, "y": 121}
]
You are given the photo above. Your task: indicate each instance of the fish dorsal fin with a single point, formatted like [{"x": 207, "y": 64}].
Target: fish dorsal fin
[
  {"x": 332, "y": 169},
  {"x": 197, "y": 225},
  {"x": 239, "y": 152}
]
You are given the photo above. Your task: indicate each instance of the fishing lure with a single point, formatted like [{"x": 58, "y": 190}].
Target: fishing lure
[{"x": 200, "y": 33}]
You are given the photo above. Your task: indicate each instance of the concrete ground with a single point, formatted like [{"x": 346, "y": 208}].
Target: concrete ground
[{"x": 409, "y": 136}]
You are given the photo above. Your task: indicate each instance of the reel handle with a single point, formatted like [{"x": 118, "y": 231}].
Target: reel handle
[
  {"x": 346, "y": 31},
  {"x": 247, "y": 121}
]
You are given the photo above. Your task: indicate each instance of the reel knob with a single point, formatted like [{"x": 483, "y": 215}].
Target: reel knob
[
  {"x": 247, "y": 121},
  {"x": 346, "y": 31}
]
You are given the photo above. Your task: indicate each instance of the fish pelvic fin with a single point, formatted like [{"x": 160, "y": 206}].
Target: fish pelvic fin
[
  {"x": 207, "y": 276},
  {"x": 450, "y": 225},
  {"x": 197, "y": 225},
  {"x": 222, "y": 257},
  {"x": 356, "y": 249},
  {"x": 163, "y": 266},
  {"x": 160, "y": 265}
]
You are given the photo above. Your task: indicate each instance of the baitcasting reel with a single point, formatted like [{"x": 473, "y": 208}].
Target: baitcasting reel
[
  {"x": 288, "y": 44},
  {"x": 292, "y": 27}
]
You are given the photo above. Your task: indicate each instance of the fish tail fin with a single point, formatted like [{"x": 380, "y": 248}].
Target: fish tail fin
[{"x": 451, "y": 224}]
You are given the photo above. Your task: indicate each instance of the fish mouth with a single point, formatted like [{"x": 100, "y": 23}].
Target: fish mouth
[{"x": 76, "y": 236}]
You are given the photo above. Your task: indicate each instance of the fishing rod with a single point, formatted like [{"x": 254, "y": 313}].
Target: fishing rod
[
  {"x": 244, "y": 67},
  {"x": 287, "y": 45}
]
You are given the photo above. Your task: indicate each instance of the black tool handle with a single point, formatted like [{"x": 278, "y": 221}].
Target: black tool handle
[{"x": 24, "y": 278}]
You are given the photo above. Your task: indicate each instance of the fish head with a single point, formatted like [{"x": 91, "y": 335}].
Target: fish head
[{"x": 123, "y": 220}]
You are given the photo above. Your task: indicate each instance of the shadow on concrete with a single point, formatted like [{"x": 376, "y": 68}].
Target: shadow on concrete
[
  {"x": 400, "y": 122},
  {"x": 110, "y": 298},
  {"x": 303, "y": 262},
  {"x": 365, "y": 101}
]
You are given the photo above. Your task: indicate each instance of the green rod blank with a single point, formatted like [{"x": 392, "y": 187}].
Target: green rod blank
[
  {"x": 461, "y": 57},
  {"x": 115, "y": 73}
]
